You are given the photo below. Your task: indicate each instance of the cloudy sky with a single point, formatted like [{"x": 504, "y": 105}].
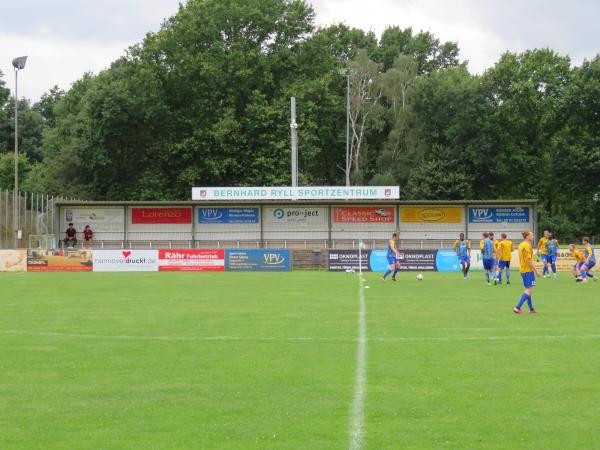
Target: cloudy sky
[{"x": 65, "y": 38}]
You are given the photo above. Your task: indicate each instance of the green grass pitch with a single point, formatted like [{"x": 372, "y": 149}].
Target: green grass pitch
[{"x": 268, "y": 361}]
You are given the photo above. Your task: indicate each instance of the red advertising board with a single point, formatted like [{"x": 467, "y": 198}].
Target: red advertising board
[
  {"x": 161, "y": 215},
  {"x": 355, "y": 214},
  {"x": 191, "y": 260}
]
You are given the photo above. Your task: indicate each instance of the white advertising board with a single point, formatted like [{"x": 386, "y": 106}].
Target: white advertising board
[{"x": 125, "y": 260}]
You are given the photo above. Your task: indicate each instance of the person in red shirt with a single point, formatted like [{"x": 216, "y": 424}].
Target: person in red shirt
[{"x": 88, "y": 234}]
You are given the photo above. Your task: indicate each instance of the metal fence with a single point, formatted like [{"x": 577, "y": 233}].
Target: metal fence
[{"x": 35, "y": 212}]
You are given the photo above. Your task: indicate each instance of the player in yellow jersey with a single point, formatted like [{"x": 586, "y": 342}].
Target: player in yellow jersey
[
  {"x": 590, "y": 261},
  {"x": 579, "y": 261},
  {"x": 528, "y": 273},
  {"x": 543, "y": 252},
  {"x": 503, "y": 254}
]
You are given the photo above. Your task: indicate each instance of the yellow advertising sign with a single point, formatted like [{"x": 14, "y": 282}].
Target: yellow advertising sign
[{"x": 428, "y": 214}]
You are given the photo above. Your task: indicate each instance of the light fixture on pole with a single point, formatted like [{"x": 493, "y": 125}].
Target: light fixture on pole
[{"x": 18, "y": 64}]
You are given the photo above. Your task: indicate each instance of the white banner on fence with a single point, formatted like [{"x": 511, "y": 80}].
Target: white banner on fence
[
  {"x": 125, "y": 260},
  {"x": 298, "y": 193},
  {"x": 99, "y": 219}
]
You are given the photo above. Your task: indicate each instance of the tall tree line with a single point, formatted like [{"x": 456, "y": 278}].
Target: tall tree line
[{"x": 205, "y": 101}]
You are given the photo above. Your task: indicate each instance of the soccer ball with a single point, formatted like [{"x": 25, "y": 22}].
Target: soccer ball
[{"x": 420, "y": 277}]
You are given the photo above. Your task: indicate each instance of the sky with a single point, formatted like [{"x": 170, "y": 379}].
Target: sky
[{"x": 66, "y": 38}]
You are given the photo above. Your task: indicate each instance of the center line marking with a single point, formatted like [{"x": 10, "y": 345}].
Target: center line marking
[{"x": 357, "y": 430}]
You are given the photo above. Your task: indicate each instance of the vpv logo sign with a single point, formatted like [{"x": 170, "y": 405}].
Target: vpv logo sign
[
  {"x": 211, "y": 214},
  {"x": 484, "y": 215},
  {"x": 273, "y": 259}
]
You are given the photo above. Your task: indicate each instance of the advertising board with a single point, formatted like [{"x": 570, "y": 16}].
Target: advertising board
[
  {"x": 342, "y": 260},
  {"x": 296, "y": 215},
  {"x": 258, "y": 260},
  {"x": 429, "y": 214},
  {"x": 13, "y": 260},
  {"x": 227, "y": 215},
  {"x": 363, "y": 214},
  {"x": 161, "y": 215},
  {"x": 60, "y": 260},
  {"x": 516, "y": 214},
  {"x": 99, "y": 219},
  {"x": 191, "y": 260},
  {"x": 125, "y": 260}
]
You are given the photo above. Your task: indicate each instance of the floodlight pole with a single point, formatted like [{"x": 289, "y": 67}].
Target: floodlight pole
[
  {"x": 18, "y": 64},
  {"x": 294, "y": 128},
  {"x": 16, "y": 190}
]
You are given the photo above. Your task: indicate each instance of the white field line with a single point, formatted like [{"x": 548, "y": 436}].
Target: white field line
[
  {"x": 357, "y": 427},
  {"x": 299, "y": 339}
]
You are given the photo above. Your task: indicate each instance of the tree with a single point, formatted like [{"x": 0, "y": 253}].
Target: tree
[{"x": 364, "y": 94}]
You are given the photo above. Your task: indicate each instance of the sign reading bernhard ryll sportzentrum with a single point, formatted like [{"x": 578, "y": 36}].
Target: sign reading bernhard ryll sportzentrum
[{"x": 298, "y": 193}]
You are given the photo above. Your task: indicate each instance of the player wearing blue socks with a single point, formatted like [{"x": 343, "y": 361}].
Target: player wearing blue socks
[
  {"x": 392, "y": 256},
  {"x": 589, "y": 261},
  {"x": 552, "y": 248},
  {"x": 462, "y": 248},
  {"x": 528, "y": 273},
  {"x": 505, "y": 249},
  {"x": 487, "y": 254}
]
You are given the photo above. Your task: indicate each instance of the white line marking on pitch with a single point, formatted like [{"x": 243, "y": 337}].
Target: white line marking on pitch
[
  {"x": 298, "y": 339},
  {"x": 357, "y": 429}
]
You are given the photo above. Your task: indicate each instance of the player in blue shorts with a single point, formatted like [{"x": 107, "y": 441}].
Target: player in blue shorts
[
  {"x": 496, "y": 267},
  {"x": 589, "y": 262},
  {"x": 488, "y": 256},
  {"x": 552, "y": 249},
  {"x": 392, "y": 257},
  {"x": 462, "y": 248},
  {"x": 528, "y": 273}
]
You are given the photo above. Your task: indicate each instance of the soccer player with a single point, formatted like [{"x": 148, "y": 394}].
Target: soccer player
[
  {"x": 487, "y": 256},
  {"x": 496, "y": 262},
  {"x": 462, "y": 248},
  {"x": 552, "y": 248},
  {"x": 589, "y": 262},
  {"x": 543, "y": 252},
  {"x": 579, "y": 260},
  {"x": 392, "y": 256},
  {"x": 505, "y": 249},
  {"x": 528, "y": 273}
]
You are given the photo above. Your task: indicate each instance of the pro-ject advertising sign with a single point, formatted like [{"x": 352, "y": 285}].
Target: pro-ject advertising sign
[{"x": 298, "y": 193}]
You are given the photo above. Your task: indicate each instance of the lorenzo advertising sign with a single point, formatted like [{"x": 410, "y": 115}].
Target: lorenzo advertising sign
[
  {"x": 425, "y": 214},
  {"x": 363, "y": 215},
  {"x": 297, "y": 193},
  {"x": 125, "y": 260},
  {"x": 258, "y": 260},
  {"x": 161, "y": 215},
  {"x": 342, "y": 260},
  {"x": 499, "y": 215},
  {"x": 227, "y": 215},
  {"x": 191, "y": 260}
]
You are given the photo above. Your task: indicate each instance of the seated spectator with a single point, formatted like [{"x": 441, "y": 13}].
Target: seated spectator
[
  {"x": 71, "y": 236},
  {"x": 88, "y": 235}
]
